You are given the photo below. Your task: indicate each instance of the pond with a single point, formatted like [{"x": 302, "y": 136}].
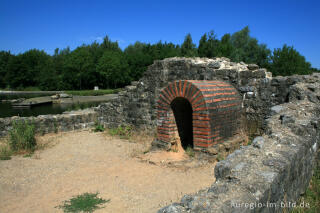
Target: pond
[{"x": 6, "y": 110}]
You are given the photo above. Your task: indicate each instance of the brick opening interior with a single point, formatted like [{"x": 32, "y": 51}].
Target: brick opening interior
[{"x": 182, "y": 111}]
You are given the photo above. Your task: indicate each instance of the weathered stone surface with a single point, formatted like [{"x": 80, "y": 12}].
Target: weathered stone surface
[
  {"x": 67, "y": 121},
  {"x": 258, "y": 142},
  {"x": 64, "y": 95},
  {"x": 253, "y": 67},
  {"x": 276, "y": 109},
  {"x": 276, "y": 173},
  {"x": 286, "y": 119},
  {"x": 136, "y": 105}
]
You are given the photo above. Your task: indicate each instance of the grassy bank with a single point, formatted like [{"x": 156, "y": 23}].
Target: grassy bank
[
  {"x": 93, "y": 92},
  {"x": 21, "y": 94}
]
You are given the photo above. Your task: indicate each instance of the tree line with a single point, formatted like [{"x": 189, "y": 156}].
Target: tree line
[{"x": 107, "y": 66}]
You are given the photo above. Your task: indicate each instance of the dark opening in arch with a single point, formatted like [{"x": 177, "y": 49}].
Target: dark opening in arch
[{"x": 182, "y": 110}]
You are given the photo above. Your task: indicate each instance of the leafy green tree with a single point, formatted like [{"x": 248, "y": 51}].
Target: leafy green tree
[
  {"x": 288, "y": 61},
  {"x": 114, "y": 69},
  {"x": 188, "y": 48},
  {"x": 4, "y": 59},
  {"x": 203, "y": 47},
  {"x": 140, "y": 55},
  {"x": 106, "y": 65},
  {"x": 315, "y": 69},
  {"x": 47, "y": 77},
  {"x": 138, "y": 59},
  {"x": 59, "y": 60},
  {"x": 107, "y": 44},
  {"x": 24, "y": 69},
  {"x": 78, "y": 66},
  {"x": 225, "y": 46},
  {"x": 209, "y": 45},
  {"x": 247, "y": 49}
]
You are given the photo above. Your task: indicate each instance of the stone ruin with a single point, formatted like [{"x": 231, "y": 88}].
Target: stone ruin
[
  {"x": 203, "y": 101},
  {"x": 207, "y": 103}
]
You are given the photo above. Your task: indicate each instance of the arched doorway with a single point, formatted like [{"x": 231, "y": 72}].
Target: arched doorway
[
  {"x": 203, "y": 113},
  {"x": 182, "y": 111}
]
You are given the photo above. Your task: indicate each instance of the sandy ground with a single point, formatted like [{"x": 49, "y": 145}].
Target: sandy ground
[{"x": 78, "y": 162}]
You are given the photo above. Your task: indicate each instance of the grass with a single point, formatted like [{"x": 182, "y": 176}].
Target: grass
[
  {"x": 28, "y": 155},
  {"x": 87, "y": 202},
  {"x": 189, "y": 151},
  {"x": 93, "y": 92},
  {"x": 312, "y": 195},
  {"x": 124, "y": 132},
  {"x": 98, "y": 128},
  {"x": 143, "y": 138},
  {"x": 21, "y": 140},
  {"x": 5, "y": 153},
  {"x": 220, "y": 157},
  {"x": 22, "y": 136}
]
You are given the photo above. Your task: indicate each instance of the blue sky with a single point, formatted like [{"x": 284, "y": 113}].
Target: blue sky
[{"x": 46, "y": 25}]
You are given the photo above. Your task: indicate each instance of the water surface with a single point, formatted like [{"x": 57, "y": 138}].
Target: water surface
[{"x": 6, "y": 110}]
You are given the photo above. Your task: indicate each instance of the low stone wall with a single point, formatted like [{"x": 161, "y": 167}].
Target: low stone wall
[
  {"x": 54, "y": 123},
  {"x": 269, "y": 174}
]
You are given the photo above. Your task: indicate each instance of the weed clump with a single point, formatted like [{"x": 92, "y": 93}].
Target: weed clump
[
  {"x": 5, "y": 153},
  {"x": 87, "y": 202},
  {"x": 22, "y": 136},
  {"x": 98, "y": 128},
  {"x": 125, "y": 132},
  {"x": 189, "y": 151}
]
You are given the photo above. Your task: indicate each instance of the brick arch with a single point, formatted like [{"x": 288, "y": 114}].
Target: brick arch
[{"x": 214, "y": 103}]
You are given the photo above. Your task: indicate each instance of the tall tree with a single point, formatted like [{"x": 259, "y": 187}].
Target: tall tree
[
  {"x": 138, "y": 58},
  {"x": 24, "y": 69},
  {"x": 225, "y": 47},
  {"x": 4, "y": 59},
  {"x": 107, "y": 44},
  {"x": 213, "y": 45},
  {"x": 203, "y": 47},
  {"x": 78, "y": 67},
  {"x": 114, "y": 69},
  {"x": 247, "y": 49},
  {"x": 188, "y": 48},
  {"x": 288, "y": 61}
]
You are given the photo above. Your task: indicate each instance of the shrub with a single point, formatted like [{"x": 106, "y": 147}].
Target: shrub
[
  {"x": 22, "y": 136},
  {"x": 87, "y": 202},
  {"x": 5, "y": 153},
  {"x": 124, "y": 132},
  {"x": 98, "y": 128}
]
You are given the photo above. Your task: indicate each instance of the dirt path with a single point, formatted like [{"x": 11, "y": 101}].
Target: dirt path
[{"x": 80, "y": 162}]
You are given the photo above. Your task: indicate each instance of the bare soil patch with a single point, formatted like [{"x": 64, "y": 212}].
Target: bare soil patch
[{"x": 77, "y": 162}]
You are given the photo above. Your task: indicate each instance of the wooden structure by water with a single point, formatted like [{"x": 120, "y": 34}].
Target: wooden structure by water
[{"x": 33, "y": 102}]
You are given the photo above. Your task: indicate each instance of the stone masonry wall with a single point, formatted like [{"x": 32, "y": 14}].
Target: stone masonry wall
[
  {"x": 137, "y": 104},
  {"x": 276, "y": 169},
  {"x": 54, "y": 123}
]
